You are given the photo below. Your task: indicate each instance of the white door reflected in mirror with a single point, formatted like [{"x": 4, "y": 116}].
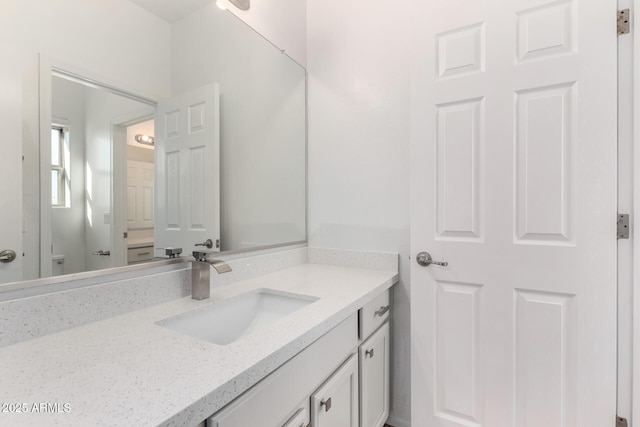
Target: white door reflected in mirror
[
  {"x": 187, "y": 143},
  {"x": 10, "y": 170}
]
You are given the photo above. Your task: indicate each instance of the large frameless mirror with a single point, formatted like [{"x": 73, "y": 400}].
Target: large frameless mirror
[{"x": 213, "y": 157}]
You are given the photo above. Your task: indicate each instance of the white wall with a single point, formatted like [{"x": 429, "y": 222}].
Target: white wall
[
  {"x": 283, "y": 22},
  {"x": 67, "y": 223},
  {"x": 114, "y": 41},
  {"x": 262, "y": 134},
  {"x": 358, "y": 68}
]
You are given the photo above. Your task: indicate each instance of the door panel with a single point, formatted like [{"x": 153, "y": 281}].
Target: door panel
[
  {"x": 11, "y": 166},
  {"x": 139, "y": 194},
  {"x": 188, "y": 169},
  {"x": 513, "y": 158}
]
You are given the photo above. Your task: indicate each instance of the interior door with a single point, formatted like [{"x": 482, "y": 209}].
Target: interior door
[
  {"x": 514, "y": 185},
  {"x": 188, "y": 170},
  {"x": 139, "y": 194},
  {"x": 10, "y": 170}
]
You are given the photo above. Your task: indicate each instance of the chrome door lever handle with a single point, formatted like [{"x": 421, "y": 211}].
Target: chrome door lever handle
[
  {"x": 425, "y": 260},
  {"x": 7, "y": 255},
  {"x": 207, "y": 243}
]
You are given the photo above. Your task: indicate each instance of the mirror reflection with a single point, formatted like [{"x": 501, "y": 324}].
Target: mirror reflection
[
  {"x": 108, "y": 195},
  {"x": 87, "y": 123}
]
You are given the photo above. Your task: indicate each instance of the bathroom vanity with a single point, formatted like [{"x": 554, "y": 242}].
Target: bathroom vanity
[
  {"x": 314, "y": 349},
  {"x": 340, "y": 380}
]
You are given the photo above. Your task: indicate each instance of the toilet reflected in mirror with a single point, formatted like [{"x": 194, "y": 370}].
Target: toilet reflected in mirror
[{"x": 57, "y": 265}]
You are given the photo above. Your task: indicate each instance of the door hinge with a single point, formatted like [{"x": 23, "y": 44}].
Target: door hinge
[
  {"x": 218, "y": 243},
  {"x": 623, "y": 226},
  {"x": 621, "y": 422},
  {"x": 623, "y": 21}
]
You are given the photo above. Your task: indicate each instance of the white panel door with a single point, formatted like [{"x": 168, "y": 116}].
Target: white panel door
[
  {"x": 139, "y": 194},
  {"x": 11, "y": 167},
  {"x": 513, "y": 159},
  {"x": 188, "y": 169}
]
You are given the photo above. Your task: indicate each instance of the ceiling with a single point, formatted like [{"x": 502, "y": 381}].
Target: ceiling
[{"x": 171, "y": 10}]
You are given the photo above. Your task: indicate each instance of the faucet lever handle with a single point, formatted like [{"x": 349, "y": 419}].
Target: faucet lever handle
[
  {"x": 201, "y": 255},
  {"x": 171, "y": 252}
]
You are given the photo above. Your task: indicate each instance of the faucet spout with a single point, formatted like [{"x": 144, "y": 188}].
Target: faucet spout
[
  {"x": 219, "y": 265},
  {"x": 201, "y": 274}
]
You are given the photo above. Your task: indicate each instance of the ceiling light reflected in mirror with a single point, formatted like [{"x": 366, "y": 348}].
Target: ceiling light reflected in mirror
[{"x": 144, "y": 139}]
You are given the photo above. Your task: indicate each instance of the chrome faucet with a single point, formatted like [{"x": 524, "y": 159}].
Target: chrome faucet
[{"x": 201, "y": 273}]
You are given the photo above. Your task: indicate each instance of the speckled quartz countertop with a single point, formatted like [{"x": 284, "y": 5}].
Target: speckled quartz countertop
[{"x": 127, "y": 370}]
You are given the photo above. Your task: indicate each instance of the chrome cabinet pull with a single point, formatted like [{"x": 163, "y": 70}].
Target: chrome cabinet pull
[
  {"x": 382, "y": 311},
  {"x": 326, "y": 404},
  {"x": 7, "y": 255},
  {"x": 425, "y": 260},
  {"x": 101, "y": 253},
  {"x": 369, "y": 353}
]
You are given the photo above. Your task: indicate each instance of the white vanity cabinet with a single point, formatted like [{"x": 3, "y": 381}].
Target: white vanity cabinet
[
  {"x": 341, "y": 380},
  {"x": 373, "y": 361},
  {"x": 335, "y": 403},
  {"x": 283, "y": 397}
]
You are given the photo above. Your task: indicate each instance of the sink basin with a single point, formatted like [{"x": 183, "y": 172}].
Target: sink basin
[{"x": 230, "y": 320}]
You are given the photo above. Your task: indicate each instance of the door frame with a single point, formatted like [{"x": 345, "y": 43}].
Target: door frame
[
  {"x": 119, "y": 183},
  {"x": 48, "y": 67},
  {"x": 635, "y": 351}
]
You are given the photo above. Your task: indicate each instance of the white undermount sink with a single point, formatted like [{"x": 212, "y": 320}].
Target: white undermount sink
[{"x": 230, "y": 320}]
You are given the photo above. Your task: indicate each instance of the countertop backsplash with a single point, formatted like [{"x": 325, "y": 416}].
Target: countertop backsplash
[{"x": 38, "y": 315}]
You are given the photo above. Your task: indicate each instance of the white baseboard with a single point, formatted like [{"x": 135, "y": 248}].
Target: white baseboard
[{"x": 395, "y": 422}]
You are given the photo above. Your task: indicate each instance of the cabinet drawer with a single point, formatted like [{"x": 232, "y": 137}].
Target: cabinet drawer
[
  {"x": 139, "y": 254},
  {"x": 300, "y": 418},
  {"x": 374, "y": 314}
]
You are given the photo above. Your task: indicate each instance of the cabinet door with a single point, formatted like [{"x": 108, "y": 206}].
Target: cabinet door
[
  {"x": 374, "y": 378},
  {"x": 335, "y": 404}
]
